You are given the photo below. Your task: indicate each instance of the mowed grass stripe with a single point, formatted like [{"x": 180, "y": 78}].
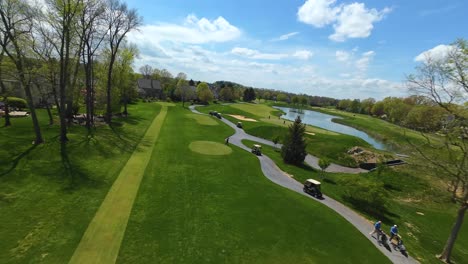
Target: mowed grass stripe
[{"x": 101, "y": 241}]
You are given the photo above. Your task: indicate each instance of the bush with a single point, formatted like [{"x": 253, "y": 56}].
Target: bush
[{"x": 16, "y": 102}]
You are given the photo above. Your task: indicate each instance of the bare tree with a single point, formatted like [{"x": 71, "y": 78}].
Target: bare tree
[
  {"x": 92, "y": 35},
  {"x": 444, "y": 81},
  {"x": 16, "y": 25},
  {"x": 59, "y": 29},
  {"x": 147, "y": 71},
  {"x": 119, "y": 20}
]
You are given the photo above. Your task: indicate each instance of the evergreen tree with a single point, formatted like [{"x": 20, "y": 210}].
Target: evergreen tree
[{"x": 294, "y": 148}]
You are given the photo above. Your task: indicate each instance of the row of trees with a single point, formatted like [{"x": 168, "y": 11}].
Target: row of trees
[
  {"x": 68, "y": 48},
  {"x": 417, "y": 112}
]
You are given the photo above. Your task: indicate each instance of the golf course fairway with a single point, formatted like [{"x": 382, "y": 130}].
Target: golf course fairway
[{"x": 102, "y": 239}]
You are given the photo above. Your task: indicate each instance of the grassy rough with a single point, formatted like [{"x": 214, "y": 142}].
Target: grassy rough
[
  {"x": 48, "y": 197},
  {"x": 101, "y": 241}
]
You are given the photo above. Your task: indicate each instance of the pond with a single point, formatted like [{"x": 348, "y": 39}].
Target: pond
[{"x": 325, "y": 121}]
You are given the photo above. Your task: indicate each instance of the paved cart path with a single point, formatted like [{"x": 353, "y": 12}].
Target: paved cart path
[
  {"x": 276, "y": 175},
  {"x": 101, "y": 241}
]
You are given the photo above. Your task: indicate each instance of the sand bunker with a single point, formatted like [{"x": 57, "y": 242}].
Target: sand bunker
[
  {"x": 243, "y": 118},
  {"x": 310, "y": 133},
  {"x": 210, "y": 148}
]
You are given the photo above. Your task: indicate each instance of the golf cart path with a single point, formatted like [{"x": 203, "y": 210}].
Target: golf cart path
[
  {"x": 103, "y": 237},
  {"x": 276, "y": 175}
]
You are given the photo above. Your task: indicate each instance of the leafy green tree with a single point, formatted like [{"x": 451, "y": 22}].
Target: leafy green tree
[
  {"x": 281, "y": 97},
  {"x": 294, "y": 147},
  {"x": 323, "y": 164},
  {"x": 204, "y": 93},
  {"x": 226, "y": 93},
  {"x": 378, "y": 109},
  {"x": 366, "y": 106},
  {"x": 184, "y": 91},
  {"x": 304, "y": 100},
  {"x": 344, "y": 105},
  {"x": 249, "y": 95},
  {"x": 444, "y": 81},
  {"x": 295, "y": 100},
  {"x": 120, "y": 20},
  {"x": 16, "y": 24}
]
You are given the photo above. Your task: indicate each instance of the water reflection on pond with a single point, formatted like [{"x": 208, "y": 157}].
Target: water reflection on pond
[{"x": 325, "y": 121}]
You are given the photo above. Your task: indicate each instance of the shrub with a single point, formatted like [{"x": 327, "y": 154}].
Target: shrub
[{"x": 16, "y": 102}]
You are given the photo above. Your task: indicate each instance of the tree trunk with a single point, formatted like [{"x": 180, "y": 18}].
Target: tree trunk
[
  {"x": 447, "y": 252},
  {"x": 108, "y": 90},
  {"x": 7, "y": 113},
  {"x": 32, "y": 109},
  {"x": 49, "y": 113}
]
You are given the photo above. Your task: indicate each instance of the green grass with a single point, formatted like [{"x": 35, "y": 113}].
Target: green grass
[
  {"x": 405, "y": 196},
  {"x": 48, "y": 198},
  {"x": 194, "y": 208},
  {"x": 101, "y": 241},
  {"x": 323, "y": 144},
  {"x": 209, "y": 148}
]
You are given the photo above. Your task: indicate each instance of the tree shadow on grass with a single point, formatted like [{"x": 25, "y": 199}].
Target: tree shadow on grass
[
  {"x": 17, "y": 159},
  {"x": 77, "y": 177},
  {"x": 377, "y": 211}
]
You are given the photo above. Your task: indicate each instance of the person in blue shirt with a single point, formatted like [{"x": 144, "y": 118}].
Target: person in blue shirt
[
  {"x": 377, "y": 229},
  {"x": 393, "y": 232}
]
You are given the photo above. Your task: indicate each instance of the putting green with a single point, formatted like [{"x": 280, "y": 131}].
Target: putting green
[
  {"x": 210, "y": 148},
  {"x": 203, "y": 120},
  {"x": 101, "y": 241}
]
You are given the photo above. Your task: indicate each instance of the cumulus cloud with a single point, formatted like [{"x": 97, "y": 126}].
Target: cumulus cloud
[
  {"x": 356, "y": 21},
  {"x": 303, "y": 54},
  {"x": 255, "y": 54},
  {"x": 193, "y": 31},
  {"x": 349, "y": 20},
  {"x": 318, "y": 12},
  {"x": 437, "y": 53}
]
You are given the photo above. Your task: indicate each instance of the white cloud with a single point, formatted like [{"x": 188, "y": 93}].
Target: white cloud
[
  {"x": 349, "y": 20},
  {"x": 285, "y": 36},
  {"x": 192, "y": 31},
  {"x": 255, "y": 54},
  {"x": 356, "y": 21},
  {"x": 362, "y": 64},
  {"x": 437, "y": 53},
  {"x": 303, "y": 54},
  {"x": 342, "y": 55},
  {"x": 318, "y": 12}
]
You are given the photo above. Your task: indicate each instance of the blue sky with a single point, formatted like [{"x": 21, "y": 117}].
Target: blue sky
[{"x": 340, "y": 49}]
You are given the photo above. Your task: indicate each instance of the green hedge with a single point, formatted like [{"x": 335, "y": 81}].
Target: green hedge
[{"x": 15, "y": 102}]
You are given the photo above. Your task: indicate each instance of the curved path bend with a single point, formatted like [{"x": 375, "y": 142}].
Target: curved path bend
[{"x": 276, "y": 175}]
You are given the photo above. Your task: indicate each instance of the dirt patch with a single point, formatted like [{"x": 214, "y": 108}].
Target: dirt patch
[
  {"x": 243, "y": 118},
  {"x": 210, "y": 148}
]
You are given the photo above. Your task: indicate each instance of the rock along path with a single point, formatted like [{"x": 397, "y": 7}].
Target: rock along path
[{"x": 276, "y": 175}]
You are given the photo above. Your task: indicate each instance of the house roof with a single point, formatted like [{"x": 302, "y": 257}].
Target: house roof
[{"x": 148, "y": 84}]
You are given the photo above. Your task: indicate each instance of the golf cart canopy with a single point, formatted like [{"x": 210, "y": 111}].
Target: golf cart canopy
[
  {"x": 257, "y": 146},
  {"x": 313, "y": 181}
]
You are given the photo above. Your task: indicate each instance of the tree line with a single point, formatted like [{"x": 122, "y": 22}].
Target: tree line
[{"x": 73, "y": 52}]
